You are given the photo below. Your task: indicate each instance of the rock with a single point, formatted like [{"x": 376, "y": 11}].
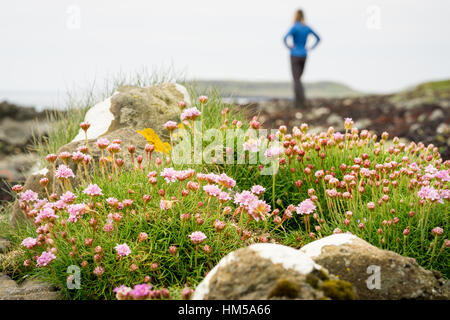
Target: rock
[
  {"x": 358, "y": 262},
  {"x": 270, "y": 271},
  {"x": 436, "y": 115},
  {"x": 135, "y": 107},
  {"x": 335, "y": 120},
  {"x": 5, "y": 245},
  {"x": 363, "y": 123},
  {"x": 15, "y": 168},
  {"x": 28, "y": 290}
]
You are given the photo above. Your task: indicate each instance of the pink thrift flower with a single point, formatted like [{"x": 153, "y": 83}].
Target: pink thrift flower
[
  {"x": 259, "y": 209},
  {"x": 122, "y": 249},
  {"x": 165, "y": 204},
  {"x": 224, "y": 196},
  {"x": 45, "y": 258},
  {"x": 29, "y": 242},
  {"x": 306, "y": 207},
  {"x": 68, "y": 197},
  {"x": 257, "y": 189},
  {"x": 102, "y": 143},
  {"x": 140, "y": 291},
  {"x": 169, "y": 174},
  {"x": 212, "y": 190},
  {"x": 28, "y": 196},
  {"x": 64, "y": 172},
  {"x": 93, "y": 190},
  {"x": 197, "y": 237},
  {"x": 190, "y": 114},
  {"x": 170, "y": 125},
  {"x": 122, "y": 292}
]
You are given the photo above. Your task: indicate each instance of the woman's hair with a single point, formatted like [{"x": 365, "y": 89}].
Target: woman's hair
[{"x": 299, "y": 16}]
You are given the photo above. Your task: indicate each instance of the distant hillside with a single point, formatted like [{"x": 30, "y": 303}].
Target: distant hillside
[
  {"x": 322, "y": 89},
  {"x": 426, "y": 91}
]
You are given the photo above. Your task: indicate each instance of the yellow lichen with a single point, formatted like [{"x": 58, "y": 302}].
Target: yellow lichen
[{"x": 152, "y": 137}]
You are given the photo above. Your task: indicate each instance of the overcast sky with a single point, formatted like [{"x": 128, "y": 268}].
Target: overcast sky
[{"x": 376, "y": 46}]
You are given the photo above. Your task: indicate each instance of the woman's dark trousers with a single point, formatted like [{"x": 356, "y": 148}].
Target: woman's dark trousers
[{"x": 297, "y": 66}]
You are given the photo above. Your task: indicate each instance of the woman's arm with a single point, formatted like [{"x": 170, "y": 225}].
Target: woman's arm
[
  {"x": 290, "y": 32},
  {"x": 317, "y": 38}
]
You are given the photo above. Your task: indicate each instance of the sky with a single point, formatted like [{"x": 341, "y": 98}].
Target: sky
[{"x": 374, "y": 46}]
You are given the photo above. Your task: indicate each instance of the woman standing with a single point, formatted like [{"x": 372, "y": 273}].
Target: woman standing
[{"x": 299, "y": 33}]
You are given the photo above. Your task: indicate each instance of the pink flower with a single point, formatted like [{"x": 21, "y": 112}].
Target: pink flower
[
  {"x": 165, "y": 204},
  {"x": 93, "y": 190},
  {"x": 98, "y": 271},
  {"x": 45, "y": 258},
  {"x": 75, "y": 211},
  {"x": 28, "y": 196},
  {"x": 437, "y": 231},
  {"x": 257, "y": 189},
  {"x": 113, "y": 202},
  {"x": 274, "y": 152},
  {"x": 348, "y": 123},
  {"x": 245, "y": 198},
  {"x": 338, "y": 136},
  {"x": 29, "y": 242},
  {"x": 224, "y": 196},
  {"x": 203, "y": 99},
  {"x": 190, "y": 114},
  {"x": 197, "y": 237},
  {"x": 64, "y": 172},
  {"x": 109, "y": 227},
  {"x": 212, "y": 190},
  {"x": 122, "y": 249},
  {"x": 142, "y": 236},
  {"x": 226, "y": 181},
  {"x": 429, "y": 193},
  {"x": 443, "y": 175},
  {"x": 170, "y": 125},
  {"x": 122, "y": 292},
  {"x": 140, "y": 291},
  {"x": 45, "y": 213},
  {"x": 68, "y": 197},
  {"x": 169, "y": 174},
  {"x": 259, "y": 209},
  {"x": 305, "y": 207},
  {"x": 114, "y": 148},
  {"x": 102, "y": 143},
  {"x": 252, "y": 145}
]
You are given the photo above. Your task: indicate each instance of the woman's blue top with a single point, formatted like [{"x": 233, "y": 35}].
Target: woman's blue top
[{"x": 299, "y": 33}]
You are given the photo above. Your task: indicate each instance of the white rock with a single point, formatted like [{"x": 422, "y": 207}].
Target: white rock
[
  {"x": 203, "y": 288},
  {"x": 288, "y": 257},
  {"x": 314, "y": 249},
  {"x": 100, "y": 116}
]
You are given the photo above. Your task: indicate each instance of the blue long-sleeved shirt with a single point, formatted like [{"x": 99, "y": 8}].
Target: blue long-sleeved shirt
[{"x": 299, "y": 33}]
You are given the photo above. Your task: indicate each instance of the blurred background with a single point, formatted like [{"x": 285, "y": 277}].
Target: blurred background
[{"x": 382, "y": 62}]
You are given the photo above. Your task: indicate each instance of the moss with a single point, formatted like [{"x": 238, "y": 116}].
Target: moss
[
  {"x": 284, "y": 288},
  {"x": 338, "y": 290},
  {"x": 313, "y": 281}
]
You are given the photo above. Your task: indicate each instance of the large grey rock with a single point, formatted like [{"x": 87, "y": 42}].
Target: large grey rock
[
  {"x": 270, "y": 271},
  {"x": 28, "y": 290},
  {"x": 375, "y": 273},
  {"x": 136, "y": 107}
]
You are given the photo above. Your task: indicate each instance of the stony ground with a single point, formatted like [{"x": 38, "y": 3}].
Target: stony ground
[{"x": 418, "y": 119}]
